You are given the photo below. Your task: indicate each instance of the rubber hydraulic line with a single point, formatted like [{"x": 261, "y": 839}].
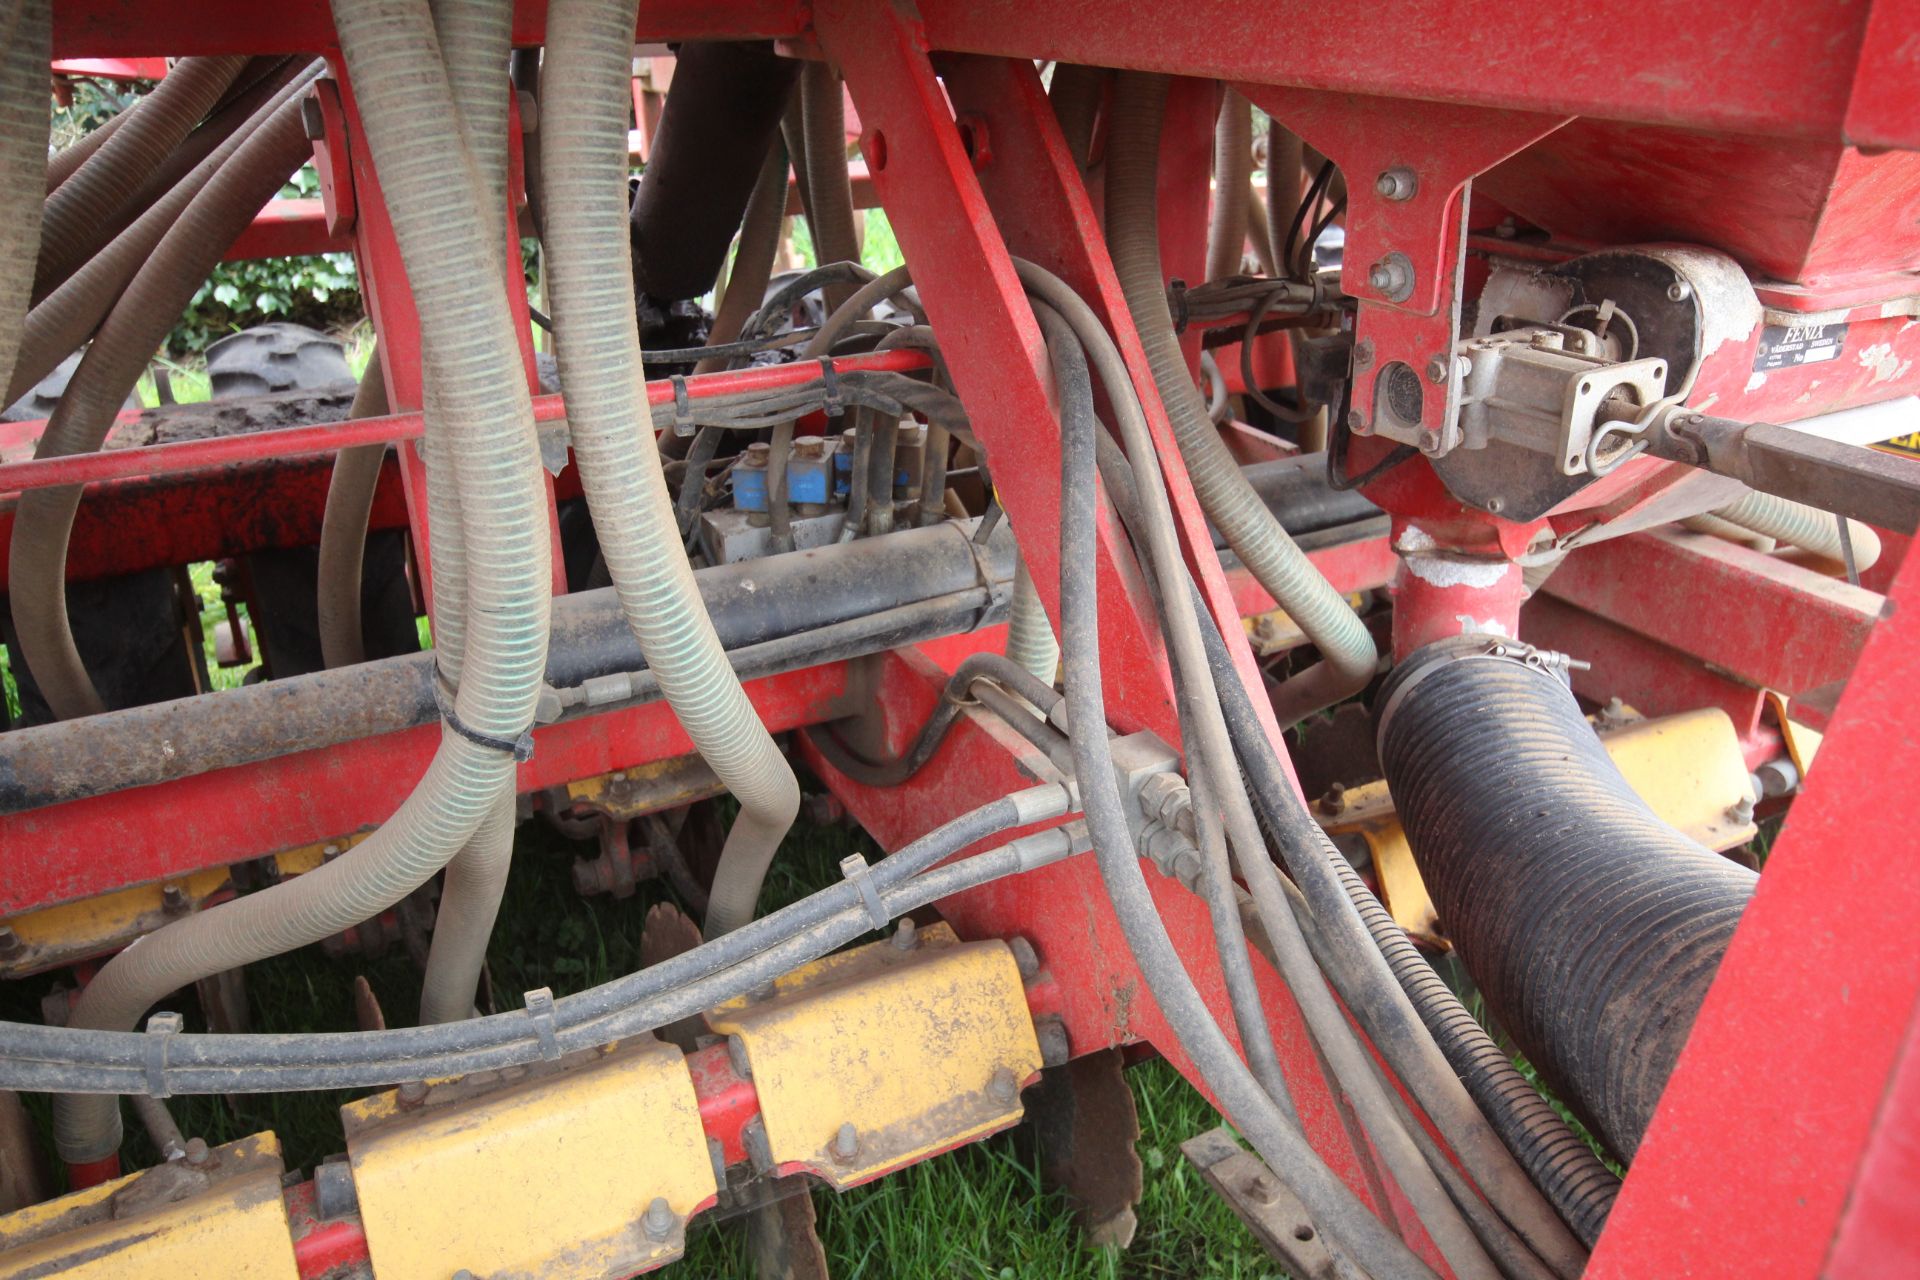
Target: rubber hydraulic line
[
  {"x": 23, "y": 143},
  {"x": 206, "y": 1063},
  {"x": 717, "y": 126},
  {"x": 1030, "y": 641},
  {"x": 343, "y": 527},
  {"x": 60, "y": 322},
  {"x": 1347, "y": 649},
  {"x": 1591, "y": 927},
  {"x": 1364, "y": 984},
  {"x": 107, "y": 180},
  {"x": 1075, "y": 94},
  {"x": 1394, "y": 992},
  {"x": 1800, "y": 525},
  {"x": 1232, "y": 170},
  {"x": 1334, "y": 1210},
  {"x": 760, "y": 231},
  {"x": 112, "y": 365},
  {"x": 443, "y": 228},
  {"x": 589, "y": 50},
  {"x": 1210, "y": 753},
  {"x": 823, "y": 112}
]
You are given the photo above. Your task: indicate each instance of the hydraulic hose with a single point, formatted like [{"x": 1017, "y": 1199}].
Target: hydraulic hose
[
  {"x": 37, "y": 1056},
  {"x": 343, "y": 527},
  {"x": 1800, "y": 525},
  {"x": 588, "y": 51},
  {"x": 1347, "y": 650},
  {"x": 1030, "y": 641},
  {"x": 1362, "y": 979},
  {"x": 1232, "y": 169},
  {"x": 112, "y": 365},
  {"x": 1591, "y": 927},
  {"x": 23, "y": 145},
  {"x": 443, "y": 229},
  {"x": 109, "y": 177},
  {"x": 823, "y": 110},
  {"x": 64, "y": 319},
  {"x": 1335, "y": 1211}
]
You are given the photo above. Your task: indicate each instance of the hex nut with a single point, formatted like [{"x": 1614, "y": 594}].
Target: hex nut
[
  {"x": 846, "y": 1143},
  {"x": 1397, "y": 184},
  {"x": 659, "y": 1219}
]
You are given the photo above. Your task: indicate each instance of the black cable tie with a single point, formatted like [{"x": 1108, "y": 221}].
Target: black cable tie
[
  {"x": 161, "y": 1028},
  {"x": 683, "y": 424},
  {"x": 540, "y": 1009},
  {"x": 521, "y": 748},
  {"x": 831, "y": 403},
  {"x": 1177, "y": 303},
  {"x": 854, "y": 868}
]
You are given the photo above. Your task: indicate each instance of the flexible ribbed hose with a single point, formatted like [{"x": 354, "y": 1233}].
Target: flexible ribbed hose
[
  {"x": 62, "y": 163},
  {"x": 584, "y": 104},
  {"x": 61, "y": 321},
  {"x": 823, "y": 109},
  {"x": 1591, "y": 927},
  {"x": 753, "y": 261},
  {"x": 1808, "y": 528},
  {"x": 1139, "y": 103},
  {"x": 1075, "y": 93},
  {"x": 110, "y": 176},
  {"x": 1232, "y": 167},
  {"x": 432, "y": 192},
  {"x": 476, "y": 41},
  {"x": 343, "y": 527},
  {"x": 23, "y": 143},
  {"x": 1030, "y": 640},
  {"x": 108, "y": 372}
]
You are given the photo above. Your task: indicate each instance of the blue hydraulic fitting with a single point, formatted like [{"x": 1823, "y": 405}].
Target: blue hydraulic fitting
[
  {"x": 749, "y": 479},
  {"x": 808, "y": 482}
]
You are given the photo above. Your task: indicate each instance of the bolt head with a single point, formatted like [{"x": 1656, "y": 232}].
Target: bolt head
[
  {"x": 1398, "y": 183},
  {"x": 1438, "y": 368},
  {"x": 1380, "y": 277},
  {"x": 1025, "y": 958},
  {"x": 197, "y": 1153},
  {"x": 1055, "y": 1046},
  {"x": 846, "y": 1143},
  {"x": 313, "y": 120},
  {"x": 1003, "y": 1086},
  {"x": 737, "y": 1058},
  {"x": 659, "y": 1219},
  {"x": 1429, "y": 439},
  {"x": 412, "y": 1093},
  {"x": 905, "y": 934},
  {"x": 1679, "y": 291}
]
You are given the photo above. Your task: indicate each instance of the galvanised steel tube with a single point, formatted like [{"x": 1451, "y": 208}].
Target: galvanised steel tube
[
  {"x": 1347, "y": 650},
  {"x": 589, "y": 46},
  {"x": 444, "y": 228}
]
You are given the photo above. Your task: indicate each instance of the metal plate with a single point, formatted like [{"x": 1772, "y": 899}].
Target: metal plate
[
  {"x": 918, "y": 1050},
  {"x": 549, "y": 1175},
  {"x": 222, "y": 1217}
]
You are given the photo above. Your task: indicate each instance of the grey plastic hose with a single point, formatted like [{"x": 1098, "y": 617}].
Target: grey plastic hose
[
  {"x": 589, "y": 45},
  {"x": 1030, "y": 639},
  {"x": 343, "y": 527},
  {"x": 1808, "y": 528},
  {"x": 109, "y": 177},
  {"x": 823, "y": 110},
  {"x": 23, "y": 144},
  {"x": 1251, "y": 529},
  {"x": 1232, "y": 169},
  {"x": 112, "y": 365},
  {"x": 432, "y": 192}
]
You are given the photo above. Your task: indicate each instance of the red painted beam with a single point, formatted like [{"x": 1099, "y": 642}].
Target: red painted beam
[
  {"x": 288, "y": 228},
  {"x": 1763, "y": 1138},
  {"x": 1768, "y": 622}
]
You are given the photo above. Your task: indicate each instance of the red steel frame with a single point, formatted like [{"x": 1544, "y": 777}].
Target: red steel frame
[{"x": 1785, "y": 1143}]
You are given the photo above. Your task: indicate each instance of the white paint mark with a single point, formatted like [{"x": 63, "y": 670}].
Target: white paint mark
[
  {"x": 1880, "y": 361},
  {"x": 1756, "y": 380},
  {"x": 1471, "y": 626},
  {"x": 1457, "y": 571}
]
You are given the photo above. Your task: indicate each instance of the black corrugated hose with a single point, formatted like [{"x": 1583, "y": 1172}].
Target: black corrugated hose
[{"x": 1592, "y": 928}]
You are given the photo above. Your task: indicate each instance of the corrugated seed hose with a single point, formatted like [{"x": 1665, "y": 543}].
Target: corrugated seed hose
[
  {"x": 1347, "y": 650},
  {"x": 62, "y": 320},
  {"x": 343, "y": 527},
  {"x": 109, "y": 177},
  {"x": 1232, "y": 169},
  {"x": 830, "y": 216},
  {"x": 23, "y": 142},
  {"x": 584, "y": 119},
  {"x": 112, "y": 365},
  {"x": 1808, "y": 528},
  {"x": 1592, "y": 928},
  {"x": 1030, "y": 640},
  {"x": 444, "y": 228}
]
